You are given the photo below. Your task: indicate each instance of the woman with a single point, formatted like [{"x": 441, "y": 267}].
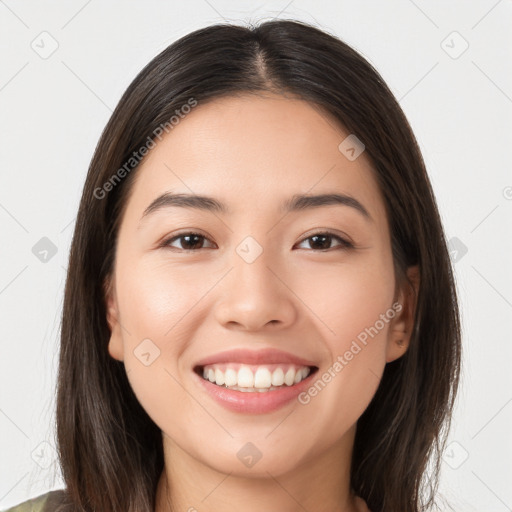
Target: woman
[{"x": 260, "y": 311}]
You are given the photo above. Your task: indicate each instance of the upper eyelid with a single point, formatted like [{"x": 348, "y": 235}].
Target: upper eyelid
[
  {"x": 327, "y": 231},
  {"x": 167, "y": 240},
  {"x": 316, "y": 231}
]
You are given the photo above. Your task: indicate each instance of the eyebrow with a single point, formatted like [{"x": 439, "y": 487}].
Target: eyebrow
[{"x": 298, "y": 202}]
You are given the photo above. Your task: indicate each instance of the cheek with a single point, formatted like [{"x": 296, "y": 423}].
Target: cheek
[
  {"x": 354, "y": 305},
  {"x": 348, "y": 298},
  {"x": 154, "y": 297},
  {"x": 157, "y": 313}
]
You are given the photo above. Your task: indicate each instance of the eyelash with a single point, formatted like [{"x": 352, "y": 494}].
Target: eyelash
[{"x": 344, "y": 244}]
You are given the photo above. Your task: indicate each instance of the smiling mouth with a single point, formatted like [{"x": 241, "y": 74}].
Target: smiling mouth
[{"x": 255, "y": 378}]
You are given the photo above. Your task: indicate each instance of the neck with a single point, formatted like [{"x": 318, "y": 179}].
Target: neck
[{"x": 320, "y": 484}]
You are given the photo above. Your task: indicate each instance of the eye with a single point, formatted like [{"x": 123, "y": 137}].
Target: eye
[
  {"x": 190, "y": 241},
  {"x": 323, "y": 240}
]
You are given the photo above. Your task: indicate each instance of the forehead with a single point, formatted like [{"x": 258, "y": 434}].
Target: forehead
[{"x": 255, "y": 150}]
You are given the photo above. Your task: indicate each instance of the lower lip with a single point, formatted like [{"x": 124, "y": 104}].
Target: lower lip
[{"x": 254, "y": 402}]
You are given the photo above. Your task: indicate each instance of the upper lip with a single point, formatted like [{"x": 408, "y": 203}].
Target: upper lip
[{"x": 255, "y": 357}]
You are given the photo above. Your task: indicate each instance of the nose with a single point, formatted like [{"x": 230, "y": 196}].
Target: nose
[{"x": 256, "y": 296}]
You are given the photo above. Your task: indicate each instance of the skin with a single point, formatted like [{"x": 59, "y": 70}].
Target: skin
[{"x": 253, "y": 152}]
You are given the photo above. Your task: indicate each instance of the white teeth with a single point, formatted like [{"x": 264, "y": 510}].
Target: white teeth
[
  {"x": 289, "y": 377},
  {"x": 263, "y": 378},
  {"x": 245, "y": 377},
  {"x": 230, "y": 377},
  {"x": 278, "y": 377},
  {"x": 255, "y": 378},
  {"x": 219, "y": 377},
  {"x": 253, "y": 390},
  {"x": 303, "y": 374}
]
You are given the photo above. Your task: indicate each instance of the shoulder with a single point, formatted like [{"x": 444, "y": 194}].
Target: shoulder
[{"x": 46, "y": 502}]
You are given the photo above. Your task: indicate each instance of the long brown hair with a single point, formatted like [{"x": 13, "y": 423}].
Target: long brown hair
[{"x": 110, "y": 451}]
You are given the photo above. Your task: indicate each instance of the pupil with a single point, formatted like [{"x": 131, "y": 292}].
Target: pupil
[
  {"x": 191, "y": 244},
  {"x": 324, "y": 237},
  {"x": 191, "y": 241}
]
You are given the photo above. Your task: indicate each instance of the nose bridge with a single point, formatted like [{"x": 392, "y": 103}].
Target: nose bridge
[
  {"x": 254, "y": 295},
  {"x": 252, "y": 263}
]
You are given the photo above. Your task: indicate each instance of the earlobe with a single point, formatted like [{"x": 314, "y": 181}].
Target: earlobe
[
  {"x": 402, "y": 325},
  {"x": 115, "y": 348},
  {"x": 115, "y": 344},
  {"x": 110, "y": 302}
]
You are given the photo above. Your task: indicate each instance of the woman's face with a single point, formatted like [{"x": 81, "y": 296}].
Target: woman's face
[{"x": 255, "y": 277}]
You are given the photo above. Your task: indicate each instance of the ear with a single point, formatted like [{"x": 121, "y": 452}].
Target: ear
[
  {"x": 115, "y": 344},
  {"x": 402, "y": 325}
]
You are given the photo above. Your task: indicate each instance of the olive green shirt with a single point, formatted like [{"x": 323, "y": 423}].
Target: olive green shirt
[
  {"x": 51, "y": 500},
  {"x": 38, "y": 503}
]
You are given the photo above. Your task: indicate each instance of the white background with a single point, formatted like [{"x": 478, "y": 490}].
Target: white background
[{"x": 52, "y": 113}]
